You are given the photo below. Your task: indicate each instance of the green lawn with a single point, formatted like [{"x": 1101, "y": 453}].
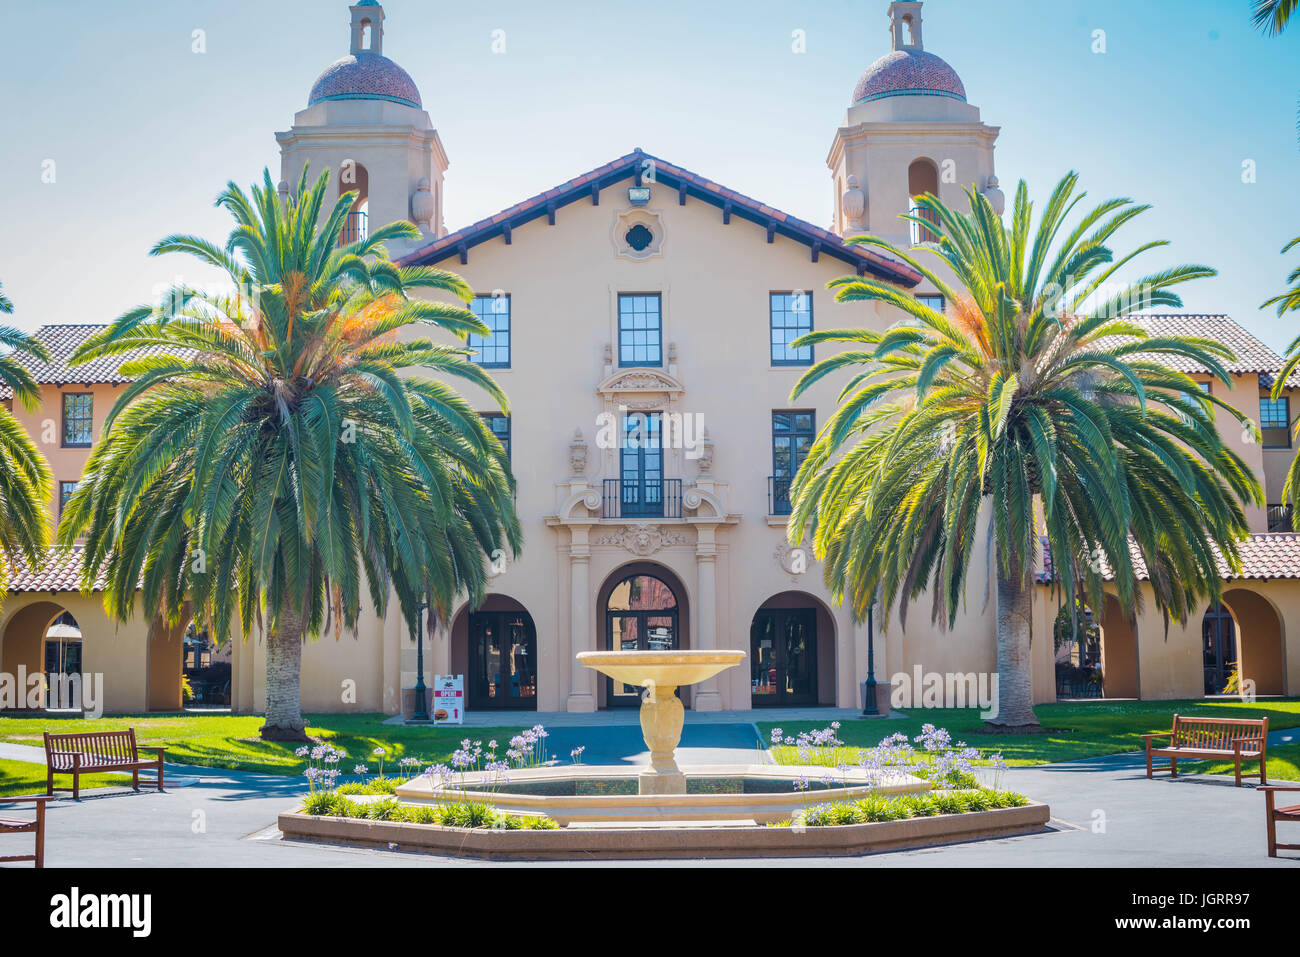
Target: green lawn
[
  {"x": 231, "y": 741},
  {"x": 1077, "y": 730},
  {"x": 20, "y": 777}
]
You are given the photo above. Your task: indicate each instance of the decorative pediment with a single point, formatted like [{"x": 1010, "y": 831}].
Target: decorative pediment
[
  {"x": 640, "y": 382},
  {"x": 643, "y": 539}
]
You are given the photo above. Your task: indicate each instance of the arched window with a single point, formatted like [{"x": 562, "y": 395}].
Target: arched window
[{"x": 922, "y": 178}]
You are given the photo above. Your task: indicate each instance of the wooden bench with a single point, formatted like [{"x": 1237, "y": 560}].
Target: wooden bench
[
  {"x": 1224, "y": 739},
  {"x": 10, "y": 825},
  {"x": 97, "y": 751},
  {"x": 1273, "y": 814}
]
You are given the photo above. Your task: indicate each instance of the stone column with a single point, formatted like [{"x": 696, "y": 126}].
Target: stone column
[
  {"x": 581, "y": 698},
  {"x": 706, "y": 696}
]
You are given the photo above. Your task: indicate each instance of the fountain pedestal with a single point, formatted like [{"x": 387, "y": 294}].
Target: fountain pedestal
[
  {"x": 662, "y": 718},
  {"x": 661, "y": 673}
]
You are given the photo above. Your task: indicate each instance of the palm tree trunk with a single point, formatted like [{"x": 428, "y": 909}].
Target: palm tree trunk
[
  {"x": 283, "y": 681},
  {"x": 1015, "y": 671}
]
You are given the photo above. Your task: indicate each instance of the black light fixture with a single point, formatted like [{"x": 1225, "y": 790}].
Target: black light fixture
[
  {"x": 869, "y": 708},
  {"x": 421, "y": 712}
]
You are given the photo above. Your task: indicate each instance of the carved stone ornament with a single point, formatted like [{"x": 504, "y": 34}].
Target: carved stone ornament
[
  {"x": 423, "y": 206},
  {"x": 705, "y": 461},
  {"x": 578, "y": 454},
  {"x": 794, "y": 559},
  {"x": 643, "y": 539},
  {"x": 854, "y": 204}
]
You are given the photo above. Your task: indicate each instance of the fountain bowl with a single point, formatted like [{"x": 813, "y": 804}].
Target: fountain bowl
[{"x": 662, "y": 668}]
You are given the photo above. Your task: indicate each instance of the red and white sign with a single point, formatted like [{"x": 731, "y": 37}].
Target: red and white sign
[{"x": 449, "y": 699}]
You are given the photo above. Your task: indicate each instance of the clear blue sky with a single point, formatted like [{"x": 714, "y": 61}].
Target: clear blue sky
[{"x": 144, "y": 132}]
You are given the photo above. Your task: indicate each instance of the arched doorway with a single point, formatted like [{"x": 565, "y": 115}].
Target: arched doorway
[
  {"x": 792, "y": 653},
  {"x": 641, "y": 614},
  {"x": 62, "y": 660},
  {"x": 495, "y": 648},
  {"x": 1218, "y": 648},
  {"x": 642, "y": 607},
  {"x": 1257, "y": 641}
]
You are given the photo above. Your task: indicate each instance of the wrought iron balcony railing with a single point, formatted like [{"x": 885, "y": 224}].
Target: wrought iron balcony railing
[
  {"x": 355, "y": 229},
  {"x": 639, "y": 498}
]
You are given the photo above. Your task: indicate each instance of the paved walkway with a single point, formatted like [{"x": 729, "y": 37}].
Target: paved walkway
[
  {"x": 619, "y": 717},
  {"x": 1105, "y": 813}
]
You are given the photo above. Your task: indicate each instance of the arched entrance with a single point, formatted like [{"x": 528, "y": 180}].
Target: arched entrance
[
  {"x": 495, "y": 648},
  {"x": 42, "y": 643},
  {"x": 792, "y": 653},
  {"x": 642, "y": 608},
  {"x": 1258, "y": 650},
  {"x": 1119, "y": 653}
]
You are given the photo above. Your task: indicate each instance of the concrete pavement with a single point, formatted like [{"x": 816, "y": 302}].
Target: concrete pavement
[{"x": 1105, "y": 813}]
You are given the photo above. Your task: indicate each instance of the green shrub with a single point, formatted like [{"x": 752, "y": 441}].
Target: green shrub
[
  {"x": 373, "y": 786},
  {"x": 876, "y": 808}
]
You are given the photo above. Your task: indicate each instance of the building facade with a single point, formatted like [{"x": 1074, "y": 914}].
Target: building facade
[{"x": 642, "y": 317}]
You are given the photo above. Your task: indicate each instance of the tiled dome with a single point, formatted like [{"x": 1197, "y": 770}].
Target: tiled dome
[
  {"x": 365, "y": 76},
  {"x": 909, "y": 73}
]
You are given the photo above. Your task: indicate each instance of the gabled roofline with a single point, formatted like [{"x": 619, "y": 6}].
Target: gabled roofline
[{"x": 590, "y": 184}]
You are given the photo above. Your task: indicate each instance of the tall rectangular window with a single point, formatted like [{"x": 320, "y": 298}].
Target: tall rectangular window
[
  {"x": 78, "y": 420},
  {"x": 65, "y": 492},
  {"x": 494, "y": 350},
  {"x": 1275, "y": 422},
  {"x": 791, "y": 317},
  {"x": 499, "y": 423},
  {"x": 793, "y": 434},
  {"x": 640, "y": 329}
]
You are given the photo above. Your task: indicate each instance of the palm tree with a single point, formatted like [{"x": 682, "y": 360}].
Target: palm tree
[
  {"x": 1272, "y": 16},
  {"x": 25, "y": 479},
  {"x": 6, "y": 306},
  {"x": 1032, "y": 409},
  {"x": 271, "y": 451}
]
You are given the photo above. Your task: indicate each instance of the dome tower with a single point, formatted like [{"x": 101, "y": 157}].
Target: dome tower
[
  {"x": 909, "y": 131},
  {"x": 366, "y": 123}
]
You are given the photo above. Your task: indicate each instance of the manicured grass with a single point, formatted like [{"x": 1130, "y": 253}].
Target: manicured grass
[
  {"x": 1283, "y": 765},
  {"x": 1077, "y": 730},
  {"x": 20, "y": 777},
  {"x": 231, "y": 741}
]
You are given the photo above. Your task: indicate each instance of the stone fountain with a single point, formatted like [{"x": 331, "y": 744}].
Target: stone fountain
[
  {"x": 661, "y": 673},
  {"x": 580, "y": 795}
]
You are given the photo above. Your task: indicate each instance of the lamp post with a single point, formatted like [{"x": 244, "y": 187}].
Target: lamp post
[
  {"x": 421, "y": 712},
  {"x": 869, "y": 708}
]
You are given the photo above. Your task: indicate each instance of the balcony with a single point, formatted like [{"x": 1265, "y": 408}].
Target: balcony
[
  {"x": 641, "y": 498},
  {"x": 1279, "y": 518},
  {"x": 355, "y": 229},
  {"x": 920, "y": 233},
  {"x": 778, "y": 495}
]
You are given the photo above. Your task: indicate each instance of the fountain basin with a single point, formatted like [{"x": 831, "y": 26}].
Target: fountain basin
[
  {"x": 662, "y": 669},
  {"x": 586, "y": 795},
  {"x": 661, "y": 673}
]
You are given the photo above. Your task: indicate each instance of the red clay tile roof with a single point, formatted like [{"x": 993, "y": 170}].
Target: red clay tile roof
[
  {"x": 61, "y": 572},
  {"x": 1264, "y": 556},
  {"x": 695, "y": 185},
  {"x": 62, "y": 341},
  {"x": 1252, "y": 355}
]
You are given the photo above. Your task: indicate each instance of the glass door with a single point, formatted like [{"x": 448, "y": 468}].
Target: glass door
[
  {"x": 1219, "y": 647},
  {"x": 503, "y": 661},
  {"x": 641, "y": 465},
  {"x": 640, "y": 615},
  {"x": 783, "y": 657}
]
